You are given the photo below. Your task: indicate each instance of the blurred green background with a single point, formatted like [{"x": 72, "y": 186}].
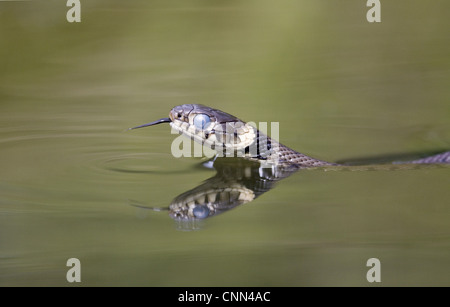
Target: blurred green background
[{"x": 339, "y": 86}]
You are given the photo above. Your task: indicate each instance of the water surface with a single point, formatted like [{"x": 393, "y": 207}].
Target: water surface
[{"x": 340, "y": 87}]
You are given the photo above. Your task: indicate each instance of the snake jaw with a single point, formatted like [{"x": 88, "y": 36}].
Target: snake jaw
[{"x": 225, "y": 138}]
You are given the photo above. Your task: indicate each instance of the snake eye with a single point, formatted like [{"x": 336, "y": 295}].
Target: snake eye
[
  {"x": 201, "y": 212},
  {"x": 201, "y": 121}
]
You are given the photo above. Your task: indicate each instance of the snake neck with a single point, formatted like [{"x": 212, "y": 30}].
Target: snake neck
[
  {"x": 288, "y": 155},
  {"x": 271, "y": 151}
]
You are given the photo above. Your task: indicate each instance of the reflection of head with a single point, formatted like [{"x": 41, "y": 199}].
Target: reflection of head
[
  {"x": 237, "y": 182},
  {"x": 208, "y": 200}
]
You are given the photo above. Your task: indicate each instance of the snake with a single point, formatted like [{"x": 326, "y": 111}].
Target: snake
[
  {"x": 230, "y": 136},
  {"x": 246, "y": 175}
]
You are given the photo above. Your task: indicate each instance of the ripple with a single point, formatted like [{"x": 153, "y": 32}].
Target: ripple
[{"x": 136, "y": 163}]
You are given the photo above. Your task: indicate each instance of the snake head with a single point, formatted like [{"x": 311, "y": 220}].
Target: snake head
[
  {"x": 220, "y": 131},
  {"x": 216, "y": 129}
]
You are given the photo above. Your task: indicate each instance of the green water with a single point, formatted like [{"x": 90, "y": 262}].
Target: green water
[{"x": 340, "y": 87}]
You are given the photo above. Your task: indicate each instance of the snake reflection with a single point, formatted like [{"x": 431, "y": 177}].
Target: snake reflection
[{"x": 237, "y": 181}]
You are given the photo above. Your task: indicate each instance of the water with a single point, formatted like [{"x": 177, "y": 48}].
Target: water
[{"x": 340, "y": 87}]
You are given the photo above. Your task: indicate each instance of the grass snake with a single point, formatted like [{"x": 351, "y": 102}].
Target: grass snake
[
  {"x": 230, "y": 136},
  {"x": 258, "y": 163}
]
